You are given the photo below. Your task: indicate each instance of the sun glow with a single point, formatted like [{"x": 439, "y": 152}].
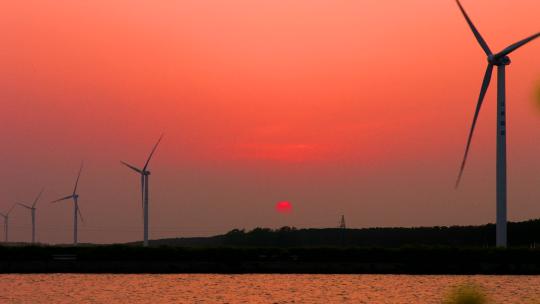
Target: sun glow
[{"x": 284, "y": 207}]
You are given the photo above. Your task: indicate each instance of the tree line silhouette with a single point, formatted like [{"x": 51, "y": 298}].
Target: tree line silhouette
[{"x": 521, "y": 234}]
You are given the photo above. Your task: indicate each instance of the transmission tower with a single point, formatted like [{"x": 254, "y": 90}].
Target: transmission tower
[{"x": 342, "y": 223}]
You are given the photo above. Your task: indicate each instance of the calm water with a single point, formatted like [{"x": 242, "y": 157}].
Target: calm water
[{"x": 201, "y": 288}]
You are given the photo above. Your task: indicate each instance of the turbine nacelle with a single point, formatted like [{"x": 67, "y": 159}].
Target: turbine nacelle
[{"x": 499, "y": 60}]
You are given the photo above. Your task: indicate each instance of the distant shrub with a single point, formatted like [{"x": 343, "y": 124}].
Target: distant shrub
[{"x": 466, "y": 294}]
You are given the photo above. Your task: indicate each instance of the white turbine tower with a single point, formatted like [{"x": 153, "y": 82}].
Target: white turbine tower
[
  {"x": 32, "y": 209},
  {"x": 76, "y": 210},
  {"x": 501, "y": 60},
  {"x": 6, "y": 222},
  {"x": 144, "y": 189}
]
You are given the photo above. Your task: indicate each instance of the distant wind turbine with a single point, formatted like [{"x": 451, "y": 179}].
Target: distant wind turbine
[
  {"x": 76, "y": 210},
  {"x": 501, "y": 60},
  {"x": 32, "y": 209},
  {"x": 144, "y": 188},
  {"x": 6, "y": 222}
]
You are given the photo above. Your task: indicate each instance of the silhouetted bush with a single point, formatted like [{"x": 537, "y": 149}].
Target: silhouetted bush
[{"x": 466, "y": 294}]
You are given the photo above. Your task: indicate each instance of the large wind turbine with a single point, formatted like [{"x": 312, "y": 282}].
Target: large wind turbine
[
  {"x": 501, "y": 60},
  {"x": 144, "y": 189},
  {"x": 32, "y": 209},
  {"x": 6, "y": 222},
  {"x": 76, "y": 210}
]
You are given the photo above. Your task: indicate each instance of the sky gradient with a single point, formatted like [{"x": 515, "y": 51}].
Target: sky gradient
[{"x": 359, "y": 108}]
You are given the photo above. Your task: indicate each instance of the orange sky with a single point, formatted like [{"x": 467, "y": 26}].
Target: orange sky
[{"x": 341, "y": 107}]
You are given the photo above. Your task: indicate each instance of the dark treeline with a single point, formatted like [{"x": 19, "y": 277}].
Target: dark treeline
[
  {"x": 520, "y": 234},
  {"x": 423, "y": 250},
  {"x": 426, "y": 250}
]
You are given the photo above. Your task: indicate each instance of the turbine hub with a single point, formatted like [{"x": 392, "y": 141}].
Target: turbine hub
[
  {"x": 146, "y": 173},
  {"x": 498, "y": 61}
]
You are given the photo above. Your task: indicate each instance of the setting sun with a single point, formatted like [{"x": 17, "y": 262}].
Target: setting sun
[{"x": 284, "y": 207}]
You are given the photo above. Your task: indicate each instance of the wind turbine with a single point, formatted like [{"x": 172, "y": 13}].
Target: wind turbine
[
  {"x": 144, "y": 189},
  {"x": 76, "y": 210},
  {"x": 501, "y": 60},
  {"x": 6, "y": 222},
  {"x": 32, "y": 209}
]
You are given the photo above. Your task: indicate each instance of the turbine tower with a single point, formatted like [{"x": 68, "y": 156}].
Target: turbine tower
[
  {"x": 501, "y": 60},
  {"x": 76, "y": 210},
  {"x": 32, "y": 209},
  {"x": 144, "y": 189},
  {"x": 6, "y": 222}
]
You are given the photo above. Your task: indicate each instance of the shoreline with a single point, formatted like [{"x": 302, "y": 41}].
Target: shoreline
[
  {"x": 260, "y": 268},
  {"x": 225, "y": 260}
]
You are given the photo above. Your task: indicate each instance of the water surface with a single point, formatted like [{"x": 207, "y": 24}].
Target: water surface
[{"x": 256, "y": 288}]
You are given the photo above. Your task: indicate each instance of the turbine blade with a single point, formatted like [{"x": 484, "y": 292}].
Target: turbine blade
[
  {"x": 37, "y": 198},
  {"x": 131, "y": 167},
  {"x": 517, "y": 45},
  {"x": 479, "y": 38},
  {"x": 25, "y": 206},
  {"x": 152, "y": 153},
  {"x": 11, "y": 209},
  {"x": 485, "y": 85},
  {"x": 63, "y": 198},
  {"x": 80, "y": 213},
  {"x": 77, "y": 181}
]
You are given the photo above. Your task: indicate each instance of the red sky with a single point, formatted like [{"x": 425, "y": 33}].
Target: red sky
[{"x": 341, "y": 107}]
